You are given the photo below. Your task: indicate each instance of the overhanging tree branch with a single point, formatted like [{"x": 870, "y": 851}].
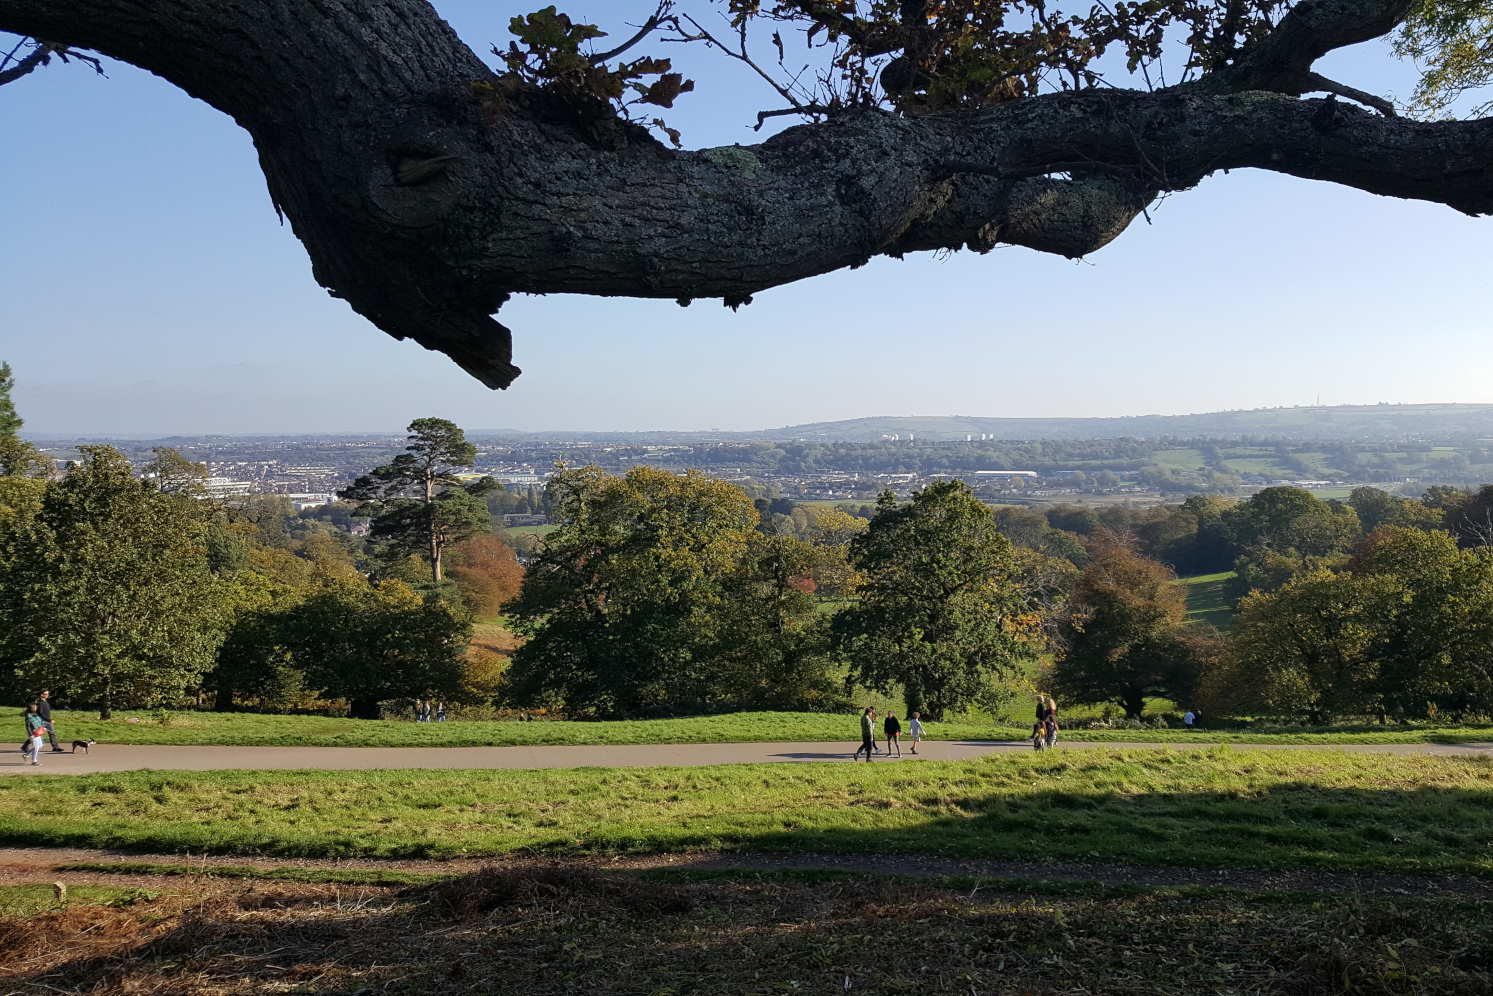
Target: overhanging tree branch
[{"x": 350, "y": 103}]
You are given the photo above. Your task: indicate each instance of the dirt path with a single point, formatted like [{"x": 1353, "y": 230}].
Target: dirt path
[
  {"x": 27, "y": 865},
  {"x": 127, "y": 757}
]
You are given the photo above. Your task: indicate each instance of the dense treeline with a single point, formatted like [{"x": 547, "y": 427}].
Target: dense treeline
[
  {"x": 123, "y": 590},
  {"x": 662, "y": 593}
]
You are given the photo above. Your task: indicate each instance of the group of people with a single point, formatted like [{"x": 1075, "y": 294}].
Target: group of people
[
  {"x": 423, "y": 711},
  {"x": 892, "y": 728},
  {"x": 1045, "y": 730},
  {"x": 39, "y": 727}
]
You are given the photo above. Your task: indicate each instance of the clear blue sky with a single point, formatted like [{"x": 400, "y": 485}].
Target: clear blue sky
[{"x": 146, "y": 286}]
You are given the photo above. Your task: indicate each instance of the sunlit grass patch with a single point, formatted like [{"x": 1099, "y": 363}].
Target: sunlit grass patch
[{"x": 1217, "y": 808}]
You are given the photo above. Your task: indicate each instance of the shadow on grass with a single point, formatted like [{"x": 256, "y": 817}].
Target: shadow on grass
[
  {"x": 1288, "y": 825},
  {"x": 1293, "y": 826}
]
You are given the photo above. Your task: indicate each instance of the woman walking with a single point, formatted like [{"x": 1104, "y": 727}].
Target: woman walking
[
  {"x": 1051, "y": 724},
  {"x": 893, "y": 729}
]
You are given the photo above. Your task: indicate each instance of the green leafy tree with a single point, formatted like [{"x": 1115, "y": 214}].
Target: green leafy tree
[
  {"x": 1125, "y": 637},
  {"x": 1440, "y": 655},
  {"x": 343, "y": 638},
  {"x": 774, "y": 650},
  {"x": 1316, "y": 646},
  {"x": 10, "y": 421},
  {"x": 367, "y": 643},
  {"x": 1282, "y": 531},
  {"x": 657, "y": 593},
  {"x": 175, "y": 474},
  {"x": 18, "y": 458},
  {"x": 108, "y": 597},
  {"x": 417, "y": 502},
  {"x": 622, "y": 607},
  {"x": 940, "y": 612}
]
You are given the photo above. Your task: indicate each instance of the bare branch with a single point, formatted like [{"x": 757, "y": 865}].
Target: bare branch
[
  {"x": 37, "y": 58},
  {"x": 649, "y": 26},
  {"x": 1317, "y": 82},
  {"x": 40, "y": 56}
]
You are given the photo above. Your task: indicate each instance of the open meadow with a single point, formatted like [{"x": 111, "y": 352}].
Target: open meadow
[{"x": 1213, "y": 809}]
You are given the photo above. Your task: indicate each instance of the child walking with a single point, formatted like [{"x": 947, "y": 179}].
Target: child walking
[
  {"x": 893, "y": 730},
  {"x": 915, "y": 730},
  {"x": 36, "y": 732}
]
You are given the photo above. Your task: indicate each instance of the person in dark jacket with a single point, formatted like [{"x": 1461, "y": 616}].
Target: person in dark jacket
[
  {"x": 868, "y": 733},
  {"x": 44, "y": 710},
  {"x": 893, "y": 729}
]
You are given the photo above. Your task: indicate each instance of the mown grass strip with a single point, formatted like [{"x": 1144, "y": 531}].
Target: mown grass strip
[
  {"x": 1218, "y": 808},
  {"x": 283, "y": 873},
  {"x": 31, "y": 899}
]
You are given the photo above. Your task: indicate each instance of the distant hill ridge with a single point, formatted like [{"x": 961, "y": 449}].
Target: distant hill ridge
[{"x": 1323, "y": 422}]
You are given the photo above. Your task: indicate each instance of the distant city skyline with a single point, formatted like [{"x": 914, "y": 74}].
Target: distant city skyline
[{"x": 155, "y": 293}]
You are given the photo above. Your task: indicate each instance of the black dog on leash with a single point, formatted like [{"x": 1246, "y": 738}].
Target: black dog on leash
[{"x": 85, "y": 744}]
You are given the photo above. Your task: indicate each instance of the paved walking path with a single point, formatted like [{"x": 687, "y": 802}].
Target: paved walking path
[{"x": 126, "y": 757}]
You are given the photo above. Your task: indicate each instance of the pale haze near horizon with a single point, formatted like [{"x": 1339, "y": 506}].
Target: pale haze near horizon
[{"x": 148, "y": 288}]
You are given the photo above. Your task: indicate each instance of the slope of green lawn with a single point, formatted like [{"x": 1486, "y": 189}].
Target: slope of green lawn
[
  {"x": 1206, "y": 602},
  {"x": 1220, "y": 808},
  {"x": 253, "y": 729}
]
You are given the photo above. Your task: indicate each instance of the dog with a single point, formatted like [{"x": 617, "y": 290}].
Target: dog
[{"x": 85, "y": 744}]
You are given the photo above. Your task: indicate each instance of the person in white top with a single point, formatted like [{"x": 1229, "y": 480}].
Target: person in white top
[{"x": 915, "y": 730}]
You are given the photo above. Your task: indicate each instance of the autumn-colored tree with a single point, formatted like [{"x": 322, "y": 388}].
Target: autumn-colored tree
[
  {"x": 1124, "y": 638},
  {"x": 486, "y": 573}
]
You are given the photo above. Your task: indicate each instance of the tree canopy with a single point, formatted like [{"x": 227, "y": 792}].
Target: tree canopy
[
  {"x": 418, "y": 502},
  {"x": 941, "y": 610},
  {"x": 429, "y": 190},
  {"x": 1124, "y": 637},
  {"x": 107, "y": 596},
  {"x": 657, "y": 593}
]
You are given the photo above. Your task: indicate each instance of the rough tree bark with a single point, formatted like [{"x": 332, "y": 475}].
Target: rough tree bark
[{"x": 425, "y": 202}]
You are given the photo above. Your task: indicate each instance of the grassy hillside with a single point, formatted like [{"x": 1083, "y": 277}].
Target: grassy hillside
[
  {"x": 1326, "y": 422},
  {"x": 1205, "y": 599}
]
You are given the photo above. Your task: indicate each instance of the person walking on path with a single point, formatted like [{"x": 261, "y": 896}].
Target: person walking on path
[
  {"x": 1050, "y": 726},
  {"x": 44, "y": 710},
  {"x": 868, "y": 733},
  {"x": 1187, "y": 720},
  {"x": 425, "y": 712},
  {"x": 36, "y": 731},
  {"x": 893, "y": 729},
  {"x": 915, "y": 730},
  {"x": 440, "y": 712}
]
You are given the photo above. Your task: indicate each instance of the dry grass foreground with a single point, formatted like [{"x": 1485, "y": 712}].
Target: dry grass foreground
[{"x": 551, "y": 928}]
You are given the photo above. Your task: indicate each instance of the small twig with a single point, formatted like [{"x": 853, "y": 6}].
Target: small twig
[
  {"x": 762, "y": 116},
  {"x": 653, "y": 22}
]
